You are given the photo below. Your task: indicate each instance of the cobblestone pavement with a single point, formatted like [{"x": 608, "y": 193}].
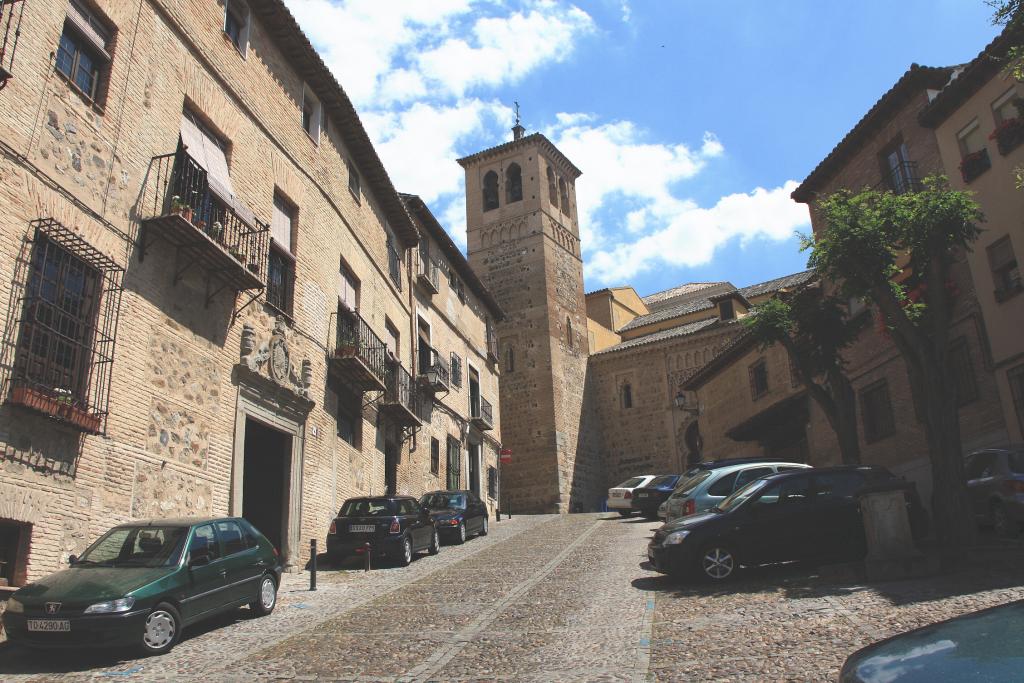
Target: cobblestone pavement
[{"x": 551, "y": 598}]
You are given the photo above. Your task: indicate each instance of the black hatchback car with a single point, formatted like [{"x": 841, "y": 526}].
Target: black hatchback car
[
  {"x": 797, "y": 515},
  {"x": 457, "y": 514},
  {"x": 647, "y": 499},
  {"x": 395, "y": 527}
]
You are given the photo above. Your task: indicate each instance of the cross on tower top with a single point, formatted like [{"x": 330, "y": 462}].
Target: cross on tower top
[{"x": 517, "y": 130}]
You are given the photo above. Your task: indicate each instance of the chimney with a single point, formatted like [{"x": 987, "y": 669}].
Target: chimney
[{"x": 517, "y": 132}]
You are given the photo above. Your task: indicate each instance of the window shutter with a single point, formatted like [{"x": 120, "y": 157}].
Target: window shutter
[
  {"x": 208, "y": 153},
  {"x": 80, "y": 19},
  {"x": 347, "y": 289},
  {"x": 281, "y": 224},
  {"x": 192, "y": 138},
  {"x": 1000, "y": 253}
]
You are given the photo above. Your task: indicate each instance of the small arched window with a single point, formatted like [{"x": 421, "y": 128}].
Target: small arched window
[
  {"x": 513, "y": 184},
  {"x": 490, "y": 191},
  {"x": 552, "y": 189},
  {"x": 563, "y": 192},
  {"x": 510, "y": 359},
  {"x": 627, "y": 396},
  {"x": 568, "y": 332}
]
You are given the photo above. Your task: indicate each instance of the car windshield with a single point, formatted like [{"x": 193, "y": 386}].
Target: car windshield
[
  {"x": 742, "y": 496},
  {"x": 630, "y": 483},
  {"x": 368, "y": 507},
  {"x": 136, "y": 546},
  {"x": 664, "y": 480},
  {"x": 688, "y": 486},
  {"x": 441, "y": 500}
]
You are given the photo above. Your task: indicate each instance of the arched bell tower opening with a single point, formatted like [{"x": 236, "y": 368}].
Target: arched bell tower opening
[{"x": 523, "y": 242}]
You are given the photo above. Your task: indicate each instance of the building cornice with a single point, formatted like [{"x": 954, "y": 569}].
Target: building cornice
[{"x": 534, "y": 139}]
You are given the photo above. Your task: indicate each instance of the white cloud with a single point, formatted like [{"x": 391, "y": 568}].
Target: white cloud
[{"x": 681, "y": 233}]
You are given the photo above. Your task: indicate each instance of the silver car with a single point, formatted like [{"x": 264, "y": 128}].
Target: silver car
[{"x": 709, "y": 487}]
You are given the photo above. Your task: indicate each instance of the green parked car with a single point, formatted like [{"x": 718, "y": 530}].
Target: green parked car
[{"x": 142, "y": 583}]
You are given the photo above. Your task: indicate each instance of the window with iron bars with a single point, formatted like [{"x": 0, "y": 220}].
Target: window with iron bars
[
  {"x": 280, "y": 280},
  {"x": 394, "y": 264},
  {"x": 456, "y": 370}
]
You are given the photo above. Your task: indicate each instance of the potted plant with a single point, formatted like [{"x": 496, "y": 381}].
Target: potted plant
[
  {"x": 1008, "y": 135},
  {"x": 236, "y": 253},
  {"x": 216, "y": 230},
  {"x": 974, "y": 164},
  {"x": 254, "y": 267},
  {"x": 348, "y": 342}
]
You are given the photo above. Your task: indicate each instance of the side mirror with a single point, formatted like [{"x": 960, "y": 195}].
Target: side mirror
[{"x": 73, "y": 560}]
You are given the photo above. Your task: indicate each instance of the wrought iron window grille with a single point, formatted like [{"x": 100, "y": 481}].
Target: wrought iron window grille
[{"x": 67, "y": 329}]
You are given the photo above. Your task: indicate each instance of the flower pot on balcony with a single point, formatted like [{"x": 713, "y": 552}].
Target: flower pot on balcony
[
  {"x": 254, "y": 267},
  {"x": 1009, "y": 135},
  {"x": 82, "y": 419},
  {"x": 974, "y": 164},
  {"x": 36, "y": 400},
  {"x": 346, "y": 350}
]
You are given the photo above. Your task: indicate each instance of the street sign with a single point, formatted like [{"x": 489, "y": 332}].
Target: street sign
[{"x": 505, "y": 456}]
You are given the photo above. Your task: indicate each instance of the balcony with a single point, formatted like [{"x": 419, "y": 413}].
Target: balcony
[
  {"x": 358, "y": 355},
  {"x": 394, "y": 265},
  {"x": 399, "y": 403},
  {"x": 434, "y": 374},
  {"x": 901, "y": 179},
  {"x": 974, "y": 164},
  {"x": 207, "y": 231},
  {"x": 481, "y": 415},
  {"x": 428, "y": 276}
]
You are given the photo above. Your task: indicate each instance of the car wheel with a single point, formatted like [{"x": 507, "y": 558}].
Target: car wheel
[
  {"x": 406, "y": 559},
  {"x": 1001, "y": 524},
  {"x": 462, "y": 533},
  {"x": 717, "y": 563},
  {"x": 483, "y": 527},
  {"x": 266, "y": 599},
  {"x": 161, "y": 630},
  {"x": 625, "y": 513},
  {"x": 435, "y": 544}
]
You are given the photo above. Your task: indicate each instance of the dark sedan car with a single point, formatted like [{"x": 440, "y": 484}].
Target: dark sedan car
[
  {"x": 995, "y": 482},
  {"x": 797, "y": 515},
  {"x": 142, "y": 583},
  {"x": 396, "y": 527},
  {"x": 648, "y": 498},
  {"x": 457, "y": 514},
  {"x": 985, "y": 646}
]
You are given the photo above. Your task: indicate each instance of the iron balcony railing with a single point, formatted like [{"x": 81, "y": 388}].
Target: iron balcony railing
[
  {"x": 429, "y": 274},
  {"x": 355, "y": 339},
  {"x": 434, "y": 368},
  {"x": 179, "y": 185},
  {"x": 901, "y": 179},
  {"x": 481, "y": 413},
  {"x": 399, "y": 387}
]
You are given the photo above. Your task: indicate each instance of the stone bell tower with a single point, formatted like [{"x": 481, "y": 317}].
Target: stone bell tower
[{"x": 524, "y": 243}]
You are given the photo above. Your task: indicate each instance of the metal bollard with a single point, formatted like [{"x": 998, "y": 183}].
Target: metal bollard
[
  {"x": 312, "y": 564},
  {"x": 366, "y": 551}
]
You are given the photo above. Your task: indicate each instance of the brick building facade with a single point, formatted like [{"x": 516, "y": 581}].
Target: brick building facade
[{"x": 210, "y": 288}]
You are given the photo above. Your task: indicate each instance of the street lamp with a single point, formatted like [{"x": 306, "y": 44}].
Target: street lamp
[{"x": 681, "y": 404}]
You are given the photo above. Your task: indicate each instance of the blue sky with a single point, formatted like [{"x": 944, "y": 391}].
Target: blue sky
[{"x": 691, "y": 121}]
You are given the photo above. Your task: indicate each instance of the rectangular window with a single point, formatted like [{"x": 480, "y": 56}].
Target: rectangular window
[
  {"x": 236, "y": 24},
  {"x": 963, "y": 374},
  {"x": 310, "y": 114},
  {"x": 627, "y": 396},
  {"x": 971, "y": 139},
  {"x": 350, "y": 418},
  {"x": 281, "y": 263},
  {"x": 1015, "y": 378},
  {"x": 394, "y": 264},
  {"x": 391, "y": 338},
  {"x": 898, "y": 172},
  {"x": 726, "y": 311},
  {"x": 348, "y": 288},
  {"x": 82, "y": 50},
  {"x": 492, "y": 482},
  {"x": 1005, "y": 273},
  {"x": 456, "y": 370},
  {"x": 58, "y": 327},
  {"x": 454, "y": 478},
  {"x": 209, "y": 151},
  {"x": 876, "y": 412},
  {"x": 353, "y": 178},
  {"x": 758, "y": 379},
  {"x": 1005, "y": 108},
  {"x": 435, "y": 456},
  {"x": 975, "y": 159}
]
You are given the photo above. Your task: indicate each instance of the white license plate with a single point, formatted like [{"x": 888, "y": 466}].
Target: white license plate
[
  {"x": 361, "y": 528},
  {"x": 49, "y": 625},
  {"x": 616, "y": 494},
  {"x": 642, "y": 495}
]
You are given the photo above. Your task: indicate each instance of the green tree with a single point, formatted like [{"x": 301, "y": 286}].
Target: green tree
[
  {"x": 1010, "y": 13},
  {"x": 870, "y": 238},
  {"x": 814, "y": 328}
]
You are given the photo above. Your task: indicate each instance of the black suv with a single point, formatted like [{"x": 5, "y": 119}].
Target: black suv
[
  {"x": 396, "y": 527},
  {"x": 796, "y": 515}
]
